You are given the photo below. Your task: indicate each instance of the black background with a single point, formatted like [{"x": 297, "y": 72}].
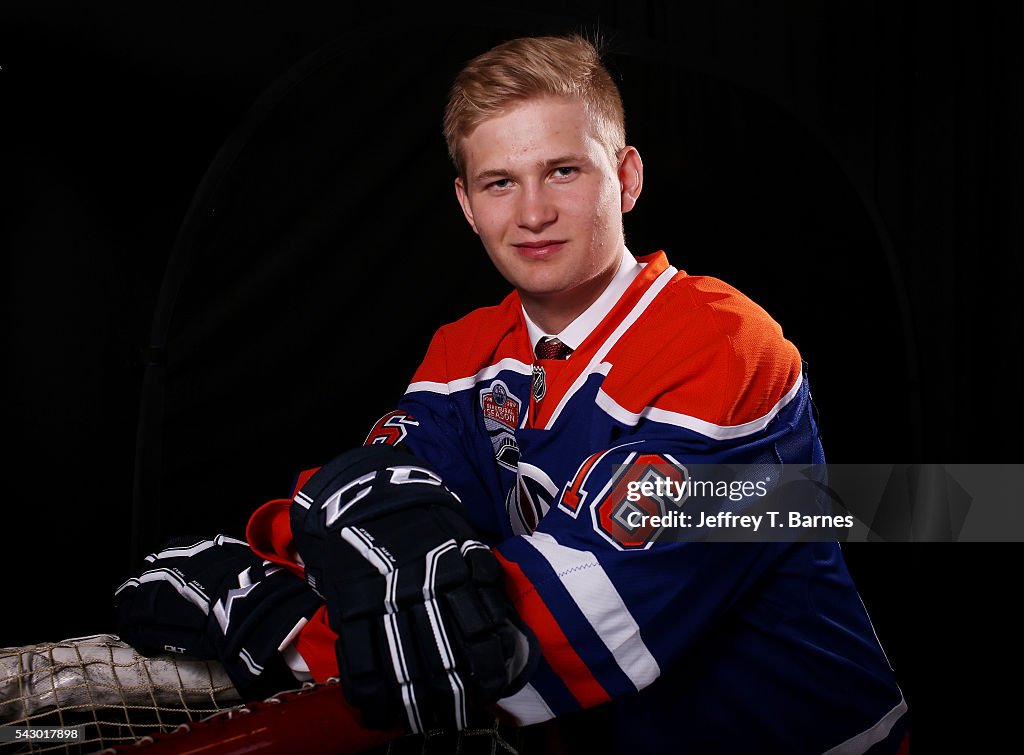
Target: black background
[{"x": 233, "y": 192}]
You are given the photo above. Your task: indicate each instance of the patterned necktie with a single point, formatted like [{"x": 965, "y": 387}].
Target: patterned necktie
[
  {"x": 547, "y": 348},
  {"x": 552, "y": 348}
]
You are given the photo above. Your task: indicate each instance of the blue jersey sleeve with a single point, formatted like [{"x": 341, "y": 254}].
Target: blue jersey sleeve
[
  {"x": 773, "y": 632},
  {"x": 767, "y": 641}
]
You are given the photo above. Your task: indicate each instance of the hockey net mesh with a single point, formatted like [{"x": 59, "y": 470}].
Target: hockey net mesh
[
  {"x": 118, "y": 696},
  {"x": 103, "y": 685}
]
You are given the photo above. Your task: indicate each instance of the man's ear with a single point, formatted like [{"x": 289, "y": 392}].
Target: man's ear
[
  {"x": 631, "y": 177},
  {"x": 467, "y": 210}
]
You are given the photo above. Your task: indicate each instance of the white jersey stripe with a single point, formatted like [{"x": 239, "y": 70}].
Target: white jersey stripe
[
  {"x": 466, "y": 383},
  {"x": 709, "y": 429},
  {"x": 599, "y": 601},
  {"x": 596, "y": 363},
  {"x": 860, "y": 743},
  {"x": 527, "y": 707},
  {"x": 514, "y": 365}
]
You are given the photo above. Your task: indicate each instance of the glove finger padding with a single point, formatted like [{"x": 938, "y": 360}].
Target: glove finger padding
[
  {"x": 167, "y": 606},
  {"x": 496, "y": 643},
  {"x": 426, "y": 631},
  {"x": 216, "y": 599}
]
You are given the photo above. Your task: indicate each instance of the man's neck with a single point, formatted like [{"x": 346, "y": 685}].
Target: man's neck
[{"x": 555, "y": 312}]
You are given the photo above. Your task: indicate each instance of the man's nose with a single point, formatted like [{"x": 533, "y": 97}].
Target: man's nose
[{"x": 537, "y": 209}]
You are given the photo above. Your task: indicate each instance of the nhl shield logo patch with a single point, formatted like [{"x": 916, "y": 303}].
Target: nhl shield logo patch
[
  {"x": 539, "y": 384},
  {"x": 501, "y": 410}
]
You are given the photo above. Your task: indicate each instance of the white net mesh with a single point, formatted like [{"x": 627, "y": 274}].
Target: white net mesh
[
  {"x": 105, "y": 686},
  {"x": 118, "y": 696}
]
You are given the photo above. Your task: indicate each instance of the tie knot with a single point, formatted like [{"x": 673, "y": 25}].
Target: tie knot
[{"x": 552, "y": 348}]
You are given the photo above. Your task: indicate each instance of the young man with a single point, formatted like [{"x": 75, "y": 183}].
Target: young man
[{"x": 527, "y": 423}]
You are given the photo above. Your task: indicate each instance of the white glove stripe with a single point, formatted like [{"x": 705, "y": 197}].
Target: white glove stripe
[
  {"x": 188, "y": 551},
  {"x": 470, "y": 545},
  {"x": 440, "y": 635},
  {"x": 250, "y": 663},
  {"x": 370, "y": 552},
  {"x": 398, "y": 661},
  {"x": 188, "y": 591},
  {"x": 222, "y": 608}
]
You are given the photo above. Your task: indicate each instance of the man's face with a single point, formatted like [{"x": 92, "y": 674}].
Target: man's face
[{"x": 546, "y": 198}]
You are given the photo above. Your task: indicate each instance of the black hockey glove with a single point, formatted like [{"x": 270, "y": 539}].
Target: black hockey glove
[
  {"x": 218, "y": 600},
  {"x": 426, "y": 630}
]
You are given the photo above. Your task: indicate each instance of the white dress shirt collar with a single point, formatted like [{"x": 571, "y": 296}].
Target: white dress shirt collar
[{"x": 577, "y": 331}]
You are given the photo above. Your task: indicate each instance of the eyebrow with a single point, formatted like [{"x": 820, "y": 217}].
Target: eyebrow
[{"x": 572, "y": 159}]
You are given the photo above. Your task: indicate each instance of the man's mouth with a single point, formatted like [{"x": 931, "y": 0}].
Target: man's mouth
[{"x": 536, "y": 249}]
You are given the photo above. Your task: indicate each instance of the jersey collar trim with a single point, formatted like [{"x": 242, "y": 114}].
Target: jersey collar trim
[
  {"x": 562, "y": 384},
  {"x": 577, "y": 331}
]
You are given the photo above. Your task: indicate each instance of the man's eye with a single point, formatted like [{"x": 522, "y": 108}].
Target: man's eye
[
  {"x": 501, "y": 183},
  {"x": 564, "y": 171}
]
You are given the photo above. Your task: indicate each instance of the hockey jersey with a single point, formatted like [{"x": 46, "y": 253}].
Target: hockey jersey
[{"x": 702, "y": 646}]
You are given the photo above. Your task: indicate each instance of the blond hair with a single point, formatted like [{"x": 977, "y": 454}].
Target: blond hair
[{"x": 527, "y": 68}]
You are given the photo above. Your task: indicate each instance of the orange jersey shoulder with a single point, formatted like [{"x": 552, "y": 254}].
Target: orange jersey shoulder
[
  {"x": 704, "y": 350},
  {"x": 478, "y": 340}
]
